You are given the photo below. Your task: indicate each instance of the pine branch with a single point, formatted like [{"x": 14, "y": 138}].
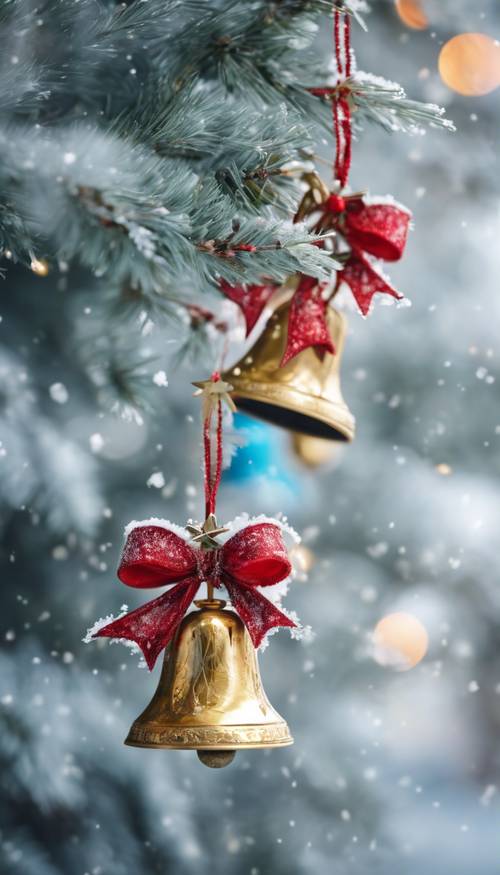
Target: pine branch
[
  {"x": 375, "y": 99},
  {"x": 16, "y": 243},
  {"x": 61, "y": 485},
  {"x": 163, "y": 151}
]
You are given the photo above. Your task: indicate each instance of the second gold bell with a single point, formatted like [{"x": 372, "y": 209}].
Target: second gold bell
[
  {"x": 304, "y": 395},
  {"x": 210, "y": 696}
]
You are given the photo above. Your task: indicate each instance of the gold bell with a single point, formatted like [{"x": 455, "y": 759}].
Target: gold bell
[
  {"x": 304, "y": 395},
  {"x": 210, "y": 696}
]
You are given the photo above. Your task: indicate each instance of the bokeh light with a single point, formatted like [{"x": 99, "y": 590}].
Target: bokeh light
[
  {"x": 412, "y": 14},
  {"x": 40, "y": 266},
  {"x": 302, "y": 559},
  {"x": 444, "y": 469},
  {"x": 400, "y": 641},
  {"x": 470, "y": 64}
]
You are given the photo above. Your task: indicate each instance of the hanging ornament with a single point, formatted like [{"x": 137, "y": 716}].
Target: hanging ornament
[
  {"x": 363, "y": 228},
  {"x": 210, "y": 697},
  {"x": 258, "y": 458},
  {"x": 254, "y": 455},
  {"x": 291, "y": 375},
  {"x": 304, "y": 395},
  {"x": 470, "y": 64}
]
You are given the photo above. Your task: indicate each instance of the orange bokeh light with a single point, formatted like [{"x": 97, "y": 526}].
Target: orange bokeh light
[
  {"x": 412, "y": 14},
  {"x": 302, "y": 559},
  {"x": 400, "y": 641},
  {"x": 470, "y": 64}
]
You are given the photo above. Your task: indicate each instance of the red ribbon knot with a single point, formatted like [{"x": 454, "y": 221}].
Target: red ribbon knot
[{"x": 335, "y": 203}]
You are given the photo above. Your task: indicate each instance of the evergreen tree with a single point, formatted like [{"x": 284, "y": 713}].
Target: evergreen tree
[
  {"x": 158, "y": 146},
  {"x": 149, "y": 151}
]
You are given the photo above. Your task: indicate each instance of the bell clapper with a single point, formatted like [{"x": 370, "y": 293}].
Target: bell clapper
[{"x": 216, "y": 759}]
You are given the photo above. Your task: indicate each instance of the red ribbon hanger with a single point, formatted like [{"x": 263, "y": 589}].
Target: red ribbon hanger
[
  {"x": 339, "y": 95},
  {"x": 369, "y": 228}
]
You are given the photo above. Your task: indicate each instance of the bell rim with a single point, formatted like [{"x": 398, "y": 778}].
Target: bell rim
[
  {"x": 227, "y": 746},
  {"x": 321, "y": 409},
  {"x": 232, "y": 736}
]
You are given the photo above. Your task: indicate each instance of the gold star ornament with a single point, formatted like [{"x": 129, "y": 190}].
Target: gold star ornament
[{"x": 212, "y": 392}]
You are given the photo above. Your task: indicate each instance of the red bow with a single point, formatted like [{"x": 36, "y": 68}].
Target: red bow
[
  {"x": 155, "y": 556},
  {"x": 379, "y": 229},
  {"x": 369, "y": 229}
]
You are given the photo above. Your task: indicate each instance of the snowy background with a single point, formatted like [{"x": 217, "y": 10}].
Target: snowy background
[{"x": 390, "y": 773}]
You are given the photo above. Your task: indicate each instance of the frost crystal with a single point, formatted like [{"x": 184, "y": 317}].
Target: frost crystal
[
  {"x": 160, "y": 378},
  {"x": 157, "y": 480},
  {"x": 59, "y": 393},
  {"x": 96, "y": 441}
]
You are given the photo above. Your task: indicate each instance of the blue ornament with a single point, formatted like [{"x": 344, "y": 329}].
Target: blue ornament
[{"x": 257, "y": 454}]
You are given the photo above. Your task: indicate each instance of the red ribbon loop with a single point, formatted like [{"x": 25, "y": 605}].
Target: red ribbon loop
[
  {"x": 378, "y": 228},
  {"x": 155, "y": 556}
]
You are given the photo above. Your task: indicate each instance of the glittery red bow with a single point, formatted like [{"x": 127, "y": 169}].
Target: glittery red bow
[
  {"x": 155, "y": 556},
  {"x": 378, "y": 229},
  {"x": 370, "y": 229}
]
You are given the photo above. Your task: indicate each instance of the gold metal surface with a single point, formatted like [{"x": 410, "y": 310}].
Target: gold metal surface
[
  {"x": 304, "y": 395},
  {"x": 210, "y": 695},
  {"x": 312, "y": 451}
]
